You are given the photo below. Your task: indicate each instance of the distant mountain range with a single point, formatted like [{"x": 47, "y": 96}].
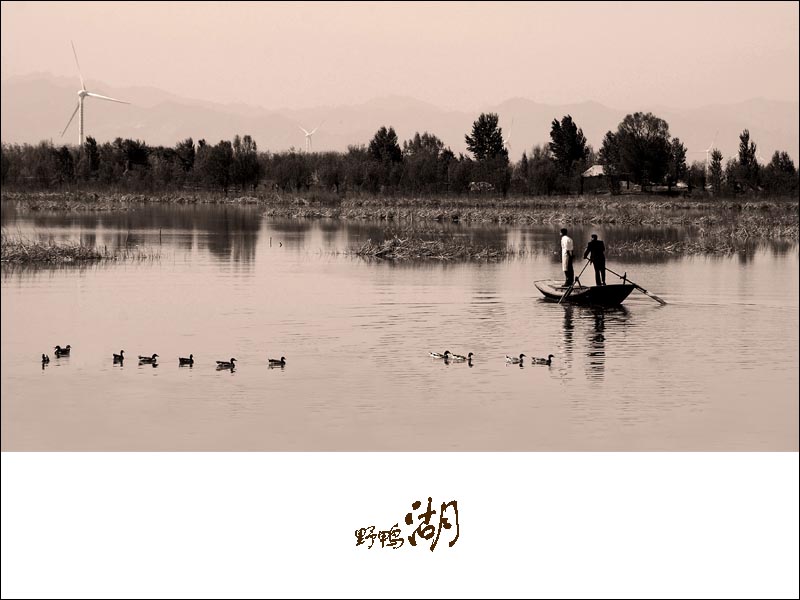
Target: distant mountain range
[{"x": 37, "y": 107}]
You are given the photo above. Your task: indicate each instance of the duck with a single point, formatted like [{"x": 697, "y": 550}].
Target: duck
[
  {"x": 148, "y": 359},
  {"x": 461, "y": 358},
  {"x": 186, "y": 361},
  {"x": 119, "y": 357},
  {"x": 221, "y": 364},
  {"x": 438, "y": 355},
  {"x": 45, "y": 359},
  {"x": 274, "y": 362},
  {"x": 62, "y": 351},
  {"x": 542, "y": 361},
  {"x": 514, "y": 360}
]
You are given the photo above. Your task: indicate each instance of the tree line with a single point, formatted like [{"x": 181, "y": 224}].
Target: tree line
[{"x": 640, "y": 152}]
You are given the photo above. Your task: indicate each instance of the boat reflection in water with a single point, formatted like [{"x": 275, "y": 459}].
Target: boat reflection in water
[{"x": 602, "y": 324}]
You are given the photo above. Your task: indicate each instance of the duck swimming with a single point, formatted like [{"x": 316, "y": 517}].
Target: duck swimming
[
  {"x": 186, "y": 361},
  {"x": 221, "y": 364},
  {"x": 461, "y": 358},
  {"x": 273, "y": 362},
  {"x": 62, "y": 351},
  {"x": 437, "y": 355},
  {"x": 148, "y": 359},
  {"x": 543, "y": 361},
  {"x": 514, "y": 360},
  {"x": 119, "y": 357},
  {"x": 45, "y": 359}
]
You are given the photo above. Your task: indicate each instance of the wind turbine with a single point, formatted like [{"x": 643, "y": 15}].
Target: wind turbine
[
  {"x": 507, "y": 141},
  {"x": 309, "y": 134},
  {"x": 708, "y": 152},
  {"x": 83, "y": 93}
]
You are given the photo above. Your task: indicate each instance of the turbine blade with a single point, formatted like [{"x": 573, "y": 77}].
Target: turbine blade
[
  {"x": 74, "y": 112},
  {"x": 106, "y": 98},
  {"x": 714, "y": 140},
  {"x": 303, "y": 130},
  {"x": 317, "y": 127},
  {"x": 75, "y": 54}
]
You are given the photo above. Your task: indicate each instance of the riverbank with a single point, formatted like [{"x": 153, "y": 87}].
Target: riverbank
[{"x": 628, "y": 209}]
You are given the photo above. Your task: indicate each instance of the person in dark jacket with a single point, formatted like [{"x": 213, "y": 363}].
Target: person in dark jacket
[{"x": 597, "y": 249}]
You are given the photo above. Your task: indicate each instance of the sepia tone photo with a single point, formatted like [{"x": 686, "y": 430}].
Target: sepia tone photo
[{"x": 432, "y": 226}]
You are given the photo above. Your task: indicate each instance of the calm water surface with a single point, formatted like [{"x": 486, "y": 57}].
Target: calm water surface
[{"x": 716, "y": 369}]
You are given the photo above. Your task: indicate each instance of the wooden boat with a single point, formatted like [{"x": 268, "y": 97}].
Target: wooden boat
[{"x": 599, "y": 295}]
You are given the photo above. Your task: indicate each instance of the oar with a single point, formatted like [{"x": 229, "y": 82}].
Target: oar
[
  {"x": 638, "y": 287},
  {"x": 569, "y": 290}
]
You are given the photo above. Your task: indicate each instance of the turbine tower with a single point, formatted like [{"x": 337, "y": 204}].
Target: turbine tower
[
  {"x": 507, "y": 142},
  {"x": 83, "y": 93},
  {"x": 309, "y": 135},
  {"x": 707, "y": 152}
]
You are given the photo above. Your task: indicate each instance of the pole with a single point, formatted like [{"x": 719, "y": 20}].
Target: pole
[
  {"x": 569, "y": 290},
  {"x": 638, "y": 287}
]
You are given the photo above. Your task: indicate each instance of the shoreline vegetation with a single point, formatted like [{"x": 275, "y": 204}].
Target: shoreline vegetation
[
  {"x": 512, "y": 210},
  {"x": 409, "y": 245},
  {"x": 24, "y": 251},
  {"x": 721, "y": 225}
]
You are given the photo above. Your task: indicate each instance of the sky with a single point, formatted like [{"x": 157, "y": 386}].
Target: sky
[{"x": 455, "y": 55}]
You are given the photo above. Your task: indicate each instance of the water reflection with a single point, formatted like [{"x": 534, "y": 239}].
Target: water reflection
[
  {"x": 618, "y": 319},
  {"x": 568, "y": 328},
  {"x": 232, "y": 232},
  {"x": 597, "y": 345},
  {"x": 603, "y": 326},
  {"x": 367, "y": 327},
  {"x": 228, "y": 232},
  {"x": 234, "y": 236}
]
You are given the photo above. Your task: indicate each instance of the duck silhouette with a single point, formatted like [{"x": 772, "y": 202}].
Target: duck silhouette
[
  {"x": 59, "y": 351},
  {"x": 542, "y": 361},
  {"x": 186, "y": 361},
  {"x": 514, "y": 360},
  {"x": 224, "y": 364}
]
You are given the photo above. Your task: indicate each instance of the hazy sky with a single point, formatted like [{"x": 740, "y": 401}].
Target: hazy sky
[{"x": 457, "y": 55}]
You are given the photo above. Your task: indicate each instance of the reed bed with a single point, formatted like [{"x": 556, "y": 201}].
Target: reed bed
[
  {"x": 567, "y": 210},
  {"x": 23, "y": 251},
  {"x": 604, "y": 209},
  {"x": 408, "y": 247},
  {"x": 19, "y": 250},
  {"x": 415, "y": 245},
  {"x": 685, "y": 248}
]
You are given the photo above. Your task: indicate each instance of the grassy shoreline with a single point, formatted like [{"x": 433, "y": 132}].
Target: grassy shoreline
[{"x": 640, "y": 209}]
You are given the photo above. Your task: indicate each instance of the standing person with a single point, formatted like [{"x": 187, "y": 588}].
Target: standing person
[
  {"x": 566, "y": 258},
  {"x": 598, "y": 251}
]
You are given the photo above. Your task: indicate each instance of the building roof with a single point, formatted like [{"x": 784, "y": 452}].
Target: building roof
[{"x": 594, "y": 171}]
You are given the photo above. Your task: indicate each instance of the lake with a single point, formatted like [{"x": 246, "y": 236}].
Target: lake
[{"x": 715, "y": 369}]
